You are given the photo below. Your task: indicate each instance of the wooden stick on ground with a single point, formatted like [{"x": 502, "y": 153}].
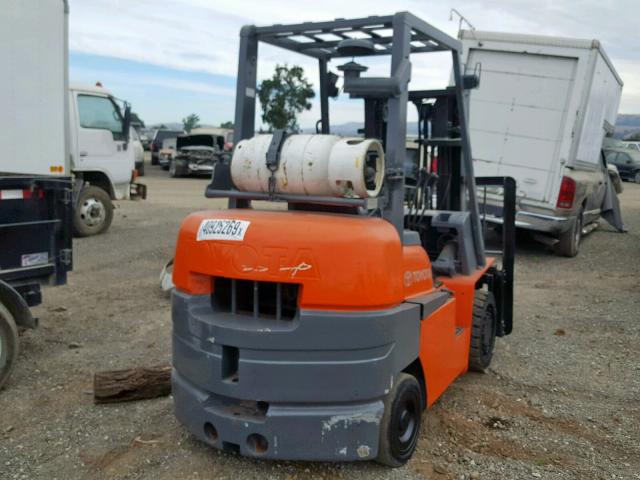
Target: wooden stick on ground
[{"x": 133, "y": 384}]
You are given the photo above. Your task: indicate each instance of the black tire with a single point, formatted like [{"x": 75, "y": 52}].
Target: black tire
[
  {"x": 483, "y": 331},
  {"x": 175, "y": 171},
  {"x": 400, "y": 424},
  {"x": 93, "y": 213},
  {"x": 636, "y": 177},
  {"x": 154, "y": 160},
  {"x": 569, "y": 242},
  {"x": 8, "y": 344}
]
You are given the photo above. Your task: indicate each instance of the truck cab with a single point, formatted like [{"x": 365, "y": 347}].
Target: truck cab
[{"x": 103, "y": 159}]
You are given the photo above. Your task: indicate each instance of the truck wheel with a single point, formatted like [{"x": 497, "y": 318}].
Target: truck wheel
[
  {"x": 569, "y": 241},
  {"x": 400, "y": 425},
  {"x": 8, "y": 344},
  {"x": 93, "y": 213},
  {"x": 483, "y": 331}
]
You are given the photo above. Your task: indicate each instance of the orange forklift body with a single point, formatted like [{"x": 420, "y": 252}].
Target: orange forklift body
[{"x": 348, "y": 263}]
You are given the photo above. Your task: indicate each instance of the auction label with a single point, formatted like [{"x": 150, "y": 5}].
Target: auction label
[{"x": 222, "y": 229}]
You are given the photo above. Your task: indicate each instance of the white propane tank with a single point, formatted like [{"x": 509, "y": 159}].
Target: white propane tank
[{"x": 323, "y": 165}]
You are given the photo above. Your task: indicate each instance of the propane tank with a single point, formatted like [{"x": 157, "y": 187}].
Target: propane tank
[{"x": 322, "y": 165}]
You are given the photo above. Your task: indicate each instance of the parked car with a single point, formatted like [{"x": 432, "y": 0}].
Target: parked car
[
  {"x": 146, "y": 135},
  {"x": 166, "y": 152},
  {"x": 632, "y": 145},
  {"x": 523, "y": 124},
  {"x": 196, "y": 154},
  {"x": 227, "y": 133},
  {"x": 156, "y": 144},
  {"x": 627, "y": 161}
]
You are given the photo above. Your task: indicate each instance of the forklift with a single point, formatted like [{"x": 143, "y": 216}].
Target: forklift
[{"x": 322, "y": 330}]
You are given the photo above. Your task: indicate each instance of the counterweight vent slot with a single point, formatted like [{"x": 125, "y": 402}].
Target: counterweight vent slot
[{"x": 259, "y": 299}]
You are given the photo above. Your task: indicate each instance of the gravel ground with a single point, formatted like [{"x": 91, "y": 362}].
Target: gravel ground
[{"x": 562, "y": 399}]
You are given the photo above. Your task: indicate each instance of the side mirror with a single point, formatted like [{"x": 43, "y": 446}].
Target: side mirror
[{"x": 126, "y": 124}]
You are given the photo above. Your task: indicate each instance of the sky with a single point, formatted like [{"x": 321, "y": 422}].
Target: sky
[{"x": 173, "y": 58}]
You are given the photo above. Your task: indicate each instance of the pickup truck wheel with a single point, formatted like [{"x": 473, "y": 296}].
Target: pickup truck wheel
[
  {"x": 483, "y": 331},
  {"x": 8, "y": 344},
  {"x": 569, "y": 242},
  {"x": 93, "y": 213},
  {"x": 400, "y": 424}
]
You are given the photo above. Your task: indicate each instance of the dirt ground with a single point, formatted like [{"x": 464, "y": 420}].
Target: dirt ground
[{"x": 561, "y": 400}]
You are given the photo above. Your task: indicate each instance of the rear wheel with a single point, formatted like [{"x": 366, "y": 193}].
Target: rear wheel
[
  {"x": 483, "y": 331},
  {"x": 8, "y": 344},
  {"x": 569, "y": 242},
  {"x": 400, "y": 425},
  {"x": 93, "y": 213}
]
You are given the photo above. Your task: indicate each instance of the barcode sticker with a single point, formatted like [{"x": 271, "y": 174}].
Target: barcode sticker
[{"x": 222, "y": 229}]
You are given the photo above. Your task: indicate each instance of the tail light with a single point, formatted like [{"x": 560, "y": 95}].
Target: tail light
[
  {"x": 567, "y": 193},
  {"x": 434, "y": 164}
]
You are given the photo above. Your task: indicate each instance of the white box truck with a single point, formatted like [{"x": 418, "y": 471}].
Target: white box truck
[
  {"x": 539, "y": 115},
  {"x": 41, "y": 115},
  {"x": 36, "y": 202}
]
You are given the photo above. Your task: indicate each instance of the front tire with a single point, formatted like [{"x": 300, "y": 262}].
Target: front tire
[
  {"x": 8, "y": 344},
  {"x": 483, "y": 331},
  {"x": 400, "y": 424},
  {"x": 569, "y": 242},
  {"x": 93, "y": 213},
  {"x": 175, "y": 171}
]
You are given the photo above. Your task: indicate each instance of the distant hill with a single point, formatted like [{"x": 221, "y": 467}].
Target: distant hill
[
  {"x": 626, "y": 124},
  {"x": 177, "y": 125}
]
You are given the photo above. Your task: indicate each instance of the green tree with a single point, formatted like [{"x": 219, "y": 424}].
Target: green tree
[
  {"x": 226, "y": 125},
  {"x": 283, "y": 96},
  {"x": 136, "y": 120},
  {"x": 190, "y": 122}
]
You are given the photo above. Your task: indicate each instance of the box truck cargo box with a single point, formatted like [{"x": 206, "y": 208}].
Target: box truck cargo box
[{"x": 540, "y": 114}]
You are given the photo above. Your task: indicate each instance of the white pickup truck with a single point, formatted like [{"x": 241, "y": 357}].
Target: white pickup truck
[{"x": 41, "y": 114}]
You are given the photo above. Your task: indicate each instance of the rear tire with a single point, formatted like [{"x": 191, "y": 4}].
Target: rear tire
[
  {"x": 93, "y": 213},
  {"x": 483, "y": 331},
  {"x": 400, "y": 425},
  {"x": 8, "y": 344},
  {"x": 569, "y": 242}
]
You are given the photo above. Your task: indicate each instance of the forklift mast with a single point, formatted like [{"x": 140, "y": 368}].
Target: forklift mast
[{"x": 386, "y": 97}]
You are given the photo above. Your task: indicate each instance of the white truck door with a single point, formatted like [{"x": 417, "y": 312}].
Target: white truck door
[
  {"x": 100, "y": 140},
  {"x": 518, "y": 118}
]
